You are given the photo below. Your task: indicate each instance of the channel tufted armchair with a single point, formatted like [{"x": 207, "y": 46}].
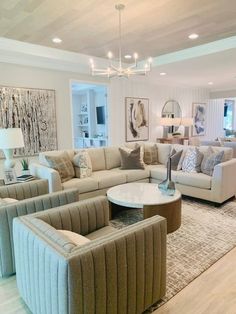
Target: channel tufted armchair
[{"x": 117, "y": 271}]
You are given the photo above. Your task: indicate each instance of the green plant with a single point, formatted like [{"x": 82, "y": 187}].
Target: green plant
[
  {"x": 25, "y": 164},
  {"x": 176, "y": 133}
]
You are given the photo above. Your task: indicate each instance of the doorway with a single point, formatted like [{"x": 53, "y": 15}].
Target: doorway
[{"x": 89, "y": 114}]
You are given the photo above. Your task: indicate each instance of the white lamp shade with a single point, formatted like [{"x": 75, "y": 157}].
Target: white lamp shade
[
  {"x": 11, "y": 138},
  {"x": 187, "y": 121},
  {"x": 170, "y": 121},
  {"x": 166, "y": 121}
]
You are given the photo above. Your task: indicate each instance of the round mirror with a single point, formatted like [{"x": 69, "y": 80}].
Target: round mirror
[{"x": 171, "y": 109}]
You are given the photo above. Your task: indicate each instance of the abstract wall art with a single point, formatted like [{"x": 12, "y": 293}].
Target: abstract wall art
[
  {"x": 199, "y": 119},
  {"x": 32, "y": 110},
  {"x": 137, "y": 119}
]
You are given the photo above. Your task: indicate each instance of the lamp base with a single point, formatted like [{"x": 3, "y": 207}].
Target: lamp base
[{"x": 9, "y": 163}]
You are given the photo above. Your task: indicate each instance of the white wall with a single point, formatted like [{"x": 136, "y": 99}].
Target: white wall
[
  {"x": 23, "y": 76},
  {"x": 158, "y": 95}
]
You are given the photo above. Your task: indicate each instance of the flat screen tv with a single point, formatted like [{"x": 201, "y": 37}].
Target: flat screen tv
[{"x": 100, "y": 111}]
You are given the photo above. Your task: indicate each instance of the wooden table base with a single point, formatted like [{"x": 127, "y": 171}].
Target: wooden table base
[{"x": 171, "y": 211}]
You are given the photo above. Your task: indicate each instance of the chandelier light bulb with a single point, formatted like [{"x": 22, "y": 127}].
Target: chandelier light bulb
[{"x": 109, "y": 55}]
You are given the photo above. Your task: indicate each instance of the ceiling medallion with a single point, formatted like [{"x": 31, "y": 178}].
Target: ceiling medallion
[{"x": 118, "y": 70}]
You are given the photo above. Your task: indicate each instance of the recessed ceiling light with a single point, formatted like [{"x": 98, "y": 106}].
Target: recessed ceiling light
[
  {"x": 57, "y": 40},
  {"x": 210, "y": 83},
  {"x": 193, "y": 36},
  {"x": 128, "y": 56},
  {"x": 163, "y": 73}
]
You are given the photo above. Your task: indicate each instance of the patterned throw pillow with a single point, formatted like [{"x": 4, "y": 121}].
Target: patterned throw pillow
[
  {"x": 192, "y": 160},
  {"x": 82, "y": 160},
  {"x": 131, "y": 159},
  {"x": 210, "y": 160},
  {"x": 63, "y": 165},
  {"x": 150, "y": 154}
]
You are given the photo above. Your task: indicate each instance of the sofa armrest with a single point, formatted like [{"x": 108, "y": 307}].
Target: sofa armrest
[
  {"x": 125, "y": 270},
  {"x": 223, "y": 181},
  {"x": 43, "y": 172},
  {"x": 24, "y": 207},
  {"x": 24, "y": 190}
]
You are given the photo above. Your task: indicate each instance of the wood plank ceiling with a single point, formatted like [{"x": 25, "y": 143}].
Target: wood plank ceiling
[{"x": 150, "y": 27}]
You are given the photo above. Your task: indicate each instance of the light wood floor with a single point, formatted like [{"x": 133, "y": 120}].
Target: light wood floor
[{"x": 214, "y": 292}]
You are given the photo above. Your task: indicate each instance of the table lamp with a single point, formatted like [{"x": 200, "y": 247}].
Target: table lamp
[
  {"x": 187, "y": 123},
  {"x": 10, "y": 139}
]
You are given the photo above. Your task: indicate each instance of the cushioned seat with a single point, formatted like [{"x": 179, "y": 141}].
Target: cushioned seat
[
  {"x": 133, "y": 174},
  {"x": 100, "y": 232},
  {"x": 160, "y": 173},
  {"x": 199, "y": 180},
  {"x": 83, "y": 185},
  {"x": 107, "y": 178}
]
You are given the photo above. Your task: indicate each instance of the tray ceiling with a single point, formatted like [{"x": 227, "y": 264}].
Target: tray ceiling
[{"x": 150, "y": 27}]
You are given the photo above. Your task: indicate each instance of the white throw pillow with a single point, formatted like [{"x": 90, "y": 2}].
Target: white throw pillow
[
  {"x": 74, "y": 237},
  {"x": 7, "y": 201},
  {"x": 83, "y": 162},
  {"x": 192, "y": 160}
]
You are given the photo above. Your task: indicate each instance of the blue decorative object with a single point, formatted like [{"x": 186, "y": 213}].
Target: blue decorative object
[{"x": 167, "y": 186}]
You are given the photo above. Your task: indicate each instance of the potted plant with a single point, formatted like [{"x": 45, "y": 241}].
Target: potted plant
[{"x": 25, "y": 166}]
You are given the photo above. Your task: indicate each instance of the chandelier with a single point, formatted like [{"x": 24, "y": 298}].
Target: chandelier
[{"x": 118, "y": 70}]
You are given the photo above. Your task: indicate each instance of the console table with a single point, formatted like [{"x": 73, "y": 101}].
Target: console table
[{"x": 172, "y": 140}]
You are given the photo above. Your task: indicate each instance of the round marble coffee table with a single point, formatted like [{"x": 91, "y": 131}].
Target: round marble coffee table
[{"x": 148, "y": 197}]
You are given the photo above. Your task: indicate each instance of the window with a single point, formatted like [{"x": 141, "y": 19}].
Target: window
[{"x": 228, "y": 114}]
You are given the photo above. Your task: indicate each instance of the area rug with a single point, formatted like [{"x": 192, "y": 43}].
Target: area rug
[{"x": 206, "y": 234}]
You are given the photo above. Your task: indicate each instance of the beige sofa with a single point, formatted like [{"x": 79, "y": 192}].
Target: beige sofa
[
  {"x": 106, "y": 173},
  {"x": 118, "y": 271}
]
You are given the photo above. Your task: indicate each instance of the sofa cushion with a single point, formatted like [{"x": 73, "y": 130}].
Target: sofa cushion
[
  {"x": 97, "y": 157},
  {"x": 108, "y": 178},
  {"x": 163, "y": 152},
  {"x": 112, "y": 157},
  {"x": 82, "y": 161},
  {"x": 44, "y": 162},
  {"x": 228, "y": 151},
  {"x": 100, "y": 233},
  {"x": 150, "y": 154},
  {"x": 192, "y": 160},
  {"x": 198, "y": 180},
  {"x": 160, "y": 173},
  {"x": 83, "y": 185},
  {"x": 74, "y": 237},
  {"x": 210, "y": 160},
  {"x": 63, "y": 165},
  {"x": 131, "y": 159},
  {"x": 133, "y": 174}
]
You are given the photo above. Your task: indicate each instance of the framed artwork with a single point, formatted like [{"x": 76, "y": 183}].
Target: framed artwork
[
  {"x": 10, "y": 176},
  {"x": 199, "y": 119},
  {"x": 137, "y": 119},
  {"x": 32, "y": 110}
]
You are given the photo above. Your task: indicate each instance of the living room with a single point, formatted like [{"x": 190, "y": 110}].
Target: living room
[{"x": 189, "y": 70}]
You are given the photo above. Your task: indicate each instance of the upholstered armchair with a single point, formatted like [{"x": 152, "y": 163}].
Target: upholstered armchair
[
  {"x": 118, "y": 271},
  {"x": 28, "y": 203}
]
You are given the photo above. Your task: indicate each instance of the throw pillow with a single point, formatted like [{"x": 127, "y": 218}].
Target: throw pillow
[
  {"x": 131, "y": 159},
  {"x": 150, "y": 154},
  {"x": 82, "y": 161},
  {"x": 175, "y": 159},
  {"x": 74, "y": 237},
  {"x": 192, "y": 160},
  {"x": 7, "y": 201},
  {"x": 63, "y": 165},
  {"x": 210, "y": 160}
]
